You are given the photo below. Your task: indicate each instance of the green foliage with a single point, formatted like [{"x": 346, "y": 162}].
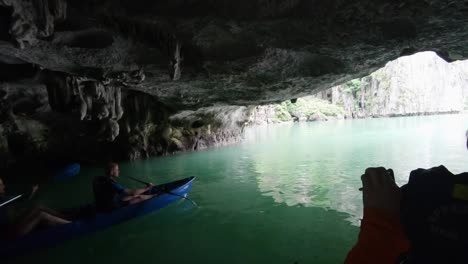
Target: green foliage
[
  {"x": 353, "y": 87},
  {"x": 324, "y": 107},
  {"x": 282, "y": 113},
  {"x": 299, "y": 106},
  {"x": 307, "y": 106}
]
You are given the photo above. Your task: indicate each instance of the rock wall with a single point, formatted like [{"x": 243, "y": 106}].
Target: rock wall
[
  {"x": 411, "y": 85},
  {"x": 51, "y": 118},
  {"x": 209, "y": 127},
  {"x": 262, "y": 115},
  {"x": 463, "y": 67},
  {"x": 309, "y": 108}
]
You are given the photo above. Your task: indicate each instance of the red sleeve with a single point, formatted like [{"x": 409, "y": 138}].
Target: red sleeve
[{"x": 381, "y": 239}]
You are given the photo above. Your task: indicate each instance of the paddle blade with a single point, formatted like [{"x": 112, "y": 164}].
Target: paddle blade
[{"x": 67, "y": 172}]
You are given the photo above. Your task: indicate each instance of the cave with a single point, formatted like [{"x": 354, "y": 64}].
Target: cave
[
  {"x": 114, "y": 70},
  {"x": 92, "y": 82}
]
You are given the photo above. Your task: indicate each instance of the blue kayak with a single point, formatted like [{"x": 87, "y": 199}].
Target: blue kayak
[
  {"x": 91, "y": 221},
  {"x": 67, "y": 172}
]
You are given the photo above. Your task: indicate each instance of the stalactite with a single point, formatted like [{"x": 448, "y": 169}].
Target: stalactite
[
  {"x": 176, "y": 63},
  {"x": 119, "y": 111},
  {"x": 114, "y": 129},
  {"x": 98, "y": 100},
  {"x": 45, "y": 21},
  {"x": 154, "y": 34},
  {"x": 59, "y": 90},
  {"x": 34, "y": 19}
]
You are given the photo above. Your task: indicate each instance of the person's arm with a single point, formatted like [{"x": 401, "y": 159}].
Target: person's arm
[
  {"x": 131, "y": 192},
  {"x": 381, "y": 238},
  {"x": 33, "y": 191},
  {"x": 134, "y": 192}
]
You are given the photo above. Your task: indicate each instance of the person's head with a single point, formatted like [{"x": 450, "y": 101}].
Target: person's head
[
  {"x": 2, "y": 187},
  {"x": 112, "y": 170}
]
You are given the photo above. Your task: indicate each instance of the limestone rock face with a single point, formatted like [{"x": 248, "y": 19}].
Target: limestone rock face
[
  {"x": 262, "y": 115},
  {"x": 207, "y": 127},
  {"x": 317, "y": 117},
  {"x": 418, "y": 84},
  {"x": 89, "y": 121}
]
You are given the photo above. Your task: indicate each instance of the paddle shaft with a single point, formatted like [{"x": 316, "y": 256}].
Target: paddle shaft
[
  {"x": 137, "y": 180},
  {"x": 11, "y": 200},
  {"x": 168, "y": 192}
]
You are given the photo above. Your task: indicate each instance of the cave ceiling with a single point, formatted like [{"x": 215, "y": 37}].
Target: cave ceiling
[{"x": 198, "y": 53}]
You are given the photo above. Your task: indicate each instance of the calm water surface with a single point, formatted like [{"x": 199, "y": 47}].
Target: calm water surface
[{"x": 289, "y": 194}]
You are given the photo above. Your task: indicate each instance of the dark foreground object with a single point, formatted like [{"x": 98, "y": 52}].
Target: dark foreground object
[{"x": 88, "y": 221}]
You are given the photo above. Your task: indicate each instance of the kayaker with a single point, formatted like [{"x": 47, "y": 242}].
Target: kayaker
[
  {"x": 424, "y": 221},
  {"x": 109, "y": 194},
  {"x": 14, "y": 224}
]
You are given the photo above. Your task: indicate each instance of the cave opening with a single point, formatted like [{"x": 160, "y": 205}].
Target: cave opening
[{"x": 423, "y": 83}]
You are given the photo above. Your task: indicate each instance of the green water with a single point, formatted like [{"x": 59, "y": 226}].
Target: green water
[{"x": 288, "y": 194}]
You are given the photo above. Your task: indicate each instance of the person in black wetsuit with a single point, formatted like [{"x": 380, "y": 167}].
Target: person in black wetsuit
[{"x": 110, "y": 195}]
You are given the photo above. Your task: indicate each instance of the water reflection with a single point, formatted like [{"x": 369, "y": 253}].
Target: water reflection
[{"x": 320, "y": 164}]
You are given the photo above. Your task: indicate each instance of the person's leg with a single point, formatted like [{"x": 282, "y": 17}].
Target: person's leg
[
  {"x": 27, "y": 223},
  {"x": 34, "y": 211},
  {"x": 50, "y": 211},
  {"x": 30, "y": 215},
  {"x": 35, "y": 218},
  {"x": 52, "y": 220}
]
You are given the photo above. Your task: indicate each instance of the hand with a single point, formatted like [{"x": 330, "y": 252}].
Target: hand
[
  {"x": 380, "y": 190},
  {"x": 34, "y": 189}
]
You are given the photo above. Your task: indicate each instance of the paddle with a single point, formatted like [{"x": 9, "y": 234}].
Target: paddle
[
  {"x": 67, "y": 172},
  {"x": 168, "y": 192},
  {"x": 11, "y": 200},
  {"x": 30, "y": 195}
]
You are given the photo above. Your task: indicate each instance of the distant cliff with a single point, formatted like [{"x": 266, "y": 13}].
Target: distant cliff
[
  {"x": 412, "y": 85},
  {"x": 421, "y": 84}
]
